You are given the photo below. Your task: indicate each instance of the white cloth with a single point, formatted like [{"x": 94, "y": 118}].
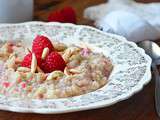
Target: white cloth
[
  {"x": 135, "y": 21},
  {"x": 129, "y": 25}
]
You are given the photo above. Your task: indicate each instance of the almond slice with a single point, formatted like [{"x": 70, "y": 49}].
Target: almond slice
[
  {"x": 69, "y": 52},
  {"x": 54, "y": 75},
  {"x": 66, "y": 55},
  {"x": 45, "y": 53},
  {"x": 66, "y": 71},
  {"x": 33, "y": 63},
  {"x": 10, "y": 63},
  {"x": 23, "y": 69},
  {"x": 74, "y": 71},
  {"x": 59, "y": 46}
]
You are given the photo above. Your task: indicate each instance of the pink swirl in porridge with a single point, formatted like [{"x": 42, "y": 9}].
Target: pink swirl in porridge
[{"x": 85, "y": 72}]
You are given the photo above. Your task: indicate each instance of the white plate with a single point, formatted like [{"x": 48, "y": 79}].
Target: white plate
[{"x": 131, "y": 67}]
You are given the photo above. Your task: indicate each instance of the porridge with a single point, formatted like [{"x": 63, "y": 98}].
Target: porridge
[{"x": 50, "y": 69}]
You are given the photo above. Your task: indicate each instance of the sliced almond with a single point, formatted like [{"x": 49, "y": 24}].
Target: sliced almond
[
  {"x": 59, "y": 46},
  {"x": 33, "y": 63},
  {"x": 74, "y": 71},
  {"x": 10, "y": 63},
  {"x": 69, "y": 52},
  {"x": 66, "y": 71},
  {"x": 23, "y": 69},
  {"x": 45, "y": 53},
  {"x": 54, "y": 75},
  {"x": 67, "y": 55}
]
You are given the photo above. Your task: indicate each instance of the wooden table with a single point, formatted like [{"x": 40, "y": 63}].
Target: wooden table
[{"x": 138, "y": 107}]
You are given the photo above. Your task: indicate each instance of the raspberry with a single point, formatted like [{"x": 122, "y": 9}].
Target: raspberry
[
  {"x": 56, "y": 16},
  {"x": 39, "y": 43},
  {"x": 65, "y": 15},
  {"x": 28, "y": 59},
  {"x": 53, "y": 62},
  {"x": 69, "y": 14}
]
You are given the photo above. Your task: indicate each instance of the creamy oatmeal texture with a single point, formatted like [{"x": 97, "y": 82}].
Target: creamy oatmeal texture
[{"x": 85, "y": 72}]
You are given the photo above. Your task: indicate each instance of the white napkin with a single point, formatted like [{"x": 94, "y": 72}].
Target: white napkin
[
  {"x": 128, "y": 25},
  {"x": 127, "y": 18}
]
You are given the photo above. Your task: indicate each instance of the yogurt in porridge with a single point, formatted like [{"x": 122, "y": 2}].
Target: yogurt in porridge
[{"x": 84, "y": 71}]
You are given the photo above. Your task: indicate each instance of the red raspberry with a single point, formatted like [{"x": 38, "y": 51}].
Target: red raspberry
[
  {"x": 56, "y": 16},
  {"x": 39, "y": 43},
  {"x": 69, "y": 14},
  {"x": 53, "y": 61},
  {"x": 28, "y": 59},
  {"x": 65, "y": 15}
]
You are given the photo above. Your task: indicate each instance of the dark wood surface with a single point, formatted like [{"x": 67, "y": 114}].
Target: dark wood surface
[{"x": 138, "y": 107}]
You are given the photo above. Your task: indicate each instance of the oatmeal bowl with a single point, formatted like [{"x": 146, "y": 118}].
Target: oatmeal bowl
[{"x": 52, "y": 68}]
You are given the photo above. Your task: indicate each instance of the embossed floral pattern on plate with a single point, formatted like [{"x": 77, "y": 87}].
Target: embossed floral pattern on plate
[{"x": 131, "y": 67}]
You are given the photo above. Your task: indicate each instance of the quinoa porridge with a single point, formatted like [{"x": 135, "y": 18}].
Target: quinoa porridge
[{"x": 50, "y": 70}]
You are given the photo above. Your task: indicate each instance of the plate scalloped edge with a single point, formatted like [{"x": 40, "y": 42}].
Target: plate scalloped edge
[{"x": 146, "y": 79}]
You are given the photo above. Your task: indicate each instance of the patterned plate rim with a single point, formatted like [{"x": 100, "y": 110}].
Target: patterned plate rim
[{"x": 146, "y": 78}]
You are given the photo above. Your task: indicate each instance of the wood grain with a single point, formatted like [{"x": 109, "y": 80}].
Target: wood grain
[{"x": 138, "y": 107}]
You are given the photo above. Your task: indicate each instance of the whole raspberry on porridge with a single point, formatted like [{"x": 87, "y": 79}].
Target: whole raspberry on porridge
[{"x": 50, "y": 69}]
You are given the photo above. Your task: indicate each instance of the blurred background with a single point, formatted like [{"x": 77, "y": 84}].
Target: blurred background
[{"x": 43, "y": 7}]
